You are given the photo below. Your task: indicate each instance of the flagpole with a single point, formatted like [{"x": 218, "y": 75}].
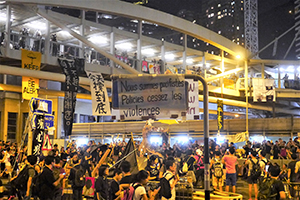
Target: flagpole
[{"x": 123, "y": 158}]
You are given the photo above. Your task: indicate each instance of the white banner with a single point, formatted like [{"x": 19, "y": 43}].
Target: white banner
[
  {"x": 263, "y": 90},
  {"x": 193, "y": 100},
  {"x": 100, "y": 100}
]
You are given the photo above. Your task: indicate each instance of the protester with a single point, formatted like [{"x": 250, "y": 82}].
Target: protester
[
  {"x": 101, "y": 185},
  {"x": 127, "y": 177},
  {"x": 115, "y": 189},
  {"x": 77, "y": 177},
  {"x": 277, "y": 184},
  {"x": 230, "y": 162},
  {"x": 292, "y": 173},
  {"x": 47, "y": 182},
  {"x": 217, "y": 167},
  {"x": 171, "y": 177},
  {"x": 152, "y": 168},
  {"x": 57, "y": 171},
  {"x": 253, "y": 173}
]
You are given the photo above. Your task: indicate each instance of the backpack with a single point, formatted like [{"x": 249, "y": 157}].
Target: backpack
[
  {"x": 36, "y": 185},
  {"x": 185, "y": 167},
  {"x": 20, "y": 182},
  {"x": 255, "y": 171},
  {"x": 218, "y": 169},
  {"x": 267, "y": 190},
  {"x": 129, "y": 192},
  {"x": 165, "y": 187},
  {"x": 79, "y": 180}
]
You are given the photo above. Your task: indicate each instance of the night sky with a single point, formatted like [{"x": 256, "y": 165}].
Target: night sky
[{"x": 273, "y": 16}]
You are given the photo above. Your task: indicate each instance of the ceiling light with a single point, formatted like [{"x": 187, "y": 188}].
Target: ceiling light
[
  {"x": 37, "y": 25},
  {"x": 236, "y": 115},
  {"x": 125, "y": 46},
  {"x": 98, "y": 39},
  {"x": 148, "y": 51},
  {"x": 189, "y": 61},
  {"x": 169, "y": 56},
  {"x": 238, "y": 56}
]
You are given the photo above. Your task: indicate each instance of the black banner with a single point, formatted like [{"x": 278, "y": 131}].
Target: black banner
[
  {"x": 72, "y": 82},
  {"x": 38, "y": 135},
  {"x": 220, "y": 115}
]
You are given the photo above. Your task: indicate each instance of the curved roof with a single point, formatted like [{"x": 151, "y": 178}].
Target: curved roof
[{"x": 125, "y": 9}]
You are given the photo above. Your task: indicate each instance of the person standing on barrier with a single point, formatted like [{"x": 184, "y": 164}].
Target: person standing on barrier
[
  {"x": 254, "y": 173},
  {"x": 291, "y": 173},
  {"x": 230, "y": 162}
]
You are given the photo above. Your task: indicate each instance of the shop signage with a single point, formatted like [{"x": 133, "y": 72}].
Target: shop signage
[
  {"x": 30, "y": 86},
  {"x": 155, "y": 96},
  {"x": 193, "y": 100},
  {"x": 220, "y": 115},
  {"x": 100, "y": 101}
]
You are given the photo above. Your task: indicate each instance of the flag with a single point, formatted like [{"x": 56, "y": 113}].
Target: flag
[{"x": 131, "y": 157}]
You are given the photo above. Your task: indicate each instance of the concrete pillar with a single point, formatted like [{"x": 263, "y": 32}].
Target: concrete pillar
[
  {"x": 7, "y": 29},
  {"x": 47, "y": 39},
  {"x": 279, "y": 77},
  {"x": 81, "y": 50},
  {"x": 222, "y": 69},
  {"x": 184, "y": 53},
  {"x": 204, "y": 66},
  {"x": 162, "y": 51},
  {"x": 246, "y": 95},
  {"x": 112, "y": 49},
  {"x": 263, "y": 70},
  {"x": 139, "y": 46}
]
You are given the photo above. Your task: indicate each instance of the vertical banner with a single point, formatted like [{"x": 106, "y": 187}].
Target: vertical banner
[
  {"x": 100, "y": 101},
  {"x": 263, "y": 90},
  {"x": 220, "y": 115},
  {"x": 193, "y": 106},
  {"x": 30, "y": 60},
  {"x": 38, "y": 135},
  {"x": 72, "y": 83}
]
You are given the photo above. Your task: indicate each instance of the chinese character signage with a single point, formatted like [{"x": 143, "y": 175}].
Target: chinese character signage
[
  {"x": 72, "y": 82},
  {"x": 193, "y": 100},
  {"x": 220, "y": 115},
  {"x": 263, "y": 90},
  {"x": 30, "y": 60},
  {"x": 38, "y": 135},
  {"x": 100, "y": 101}
]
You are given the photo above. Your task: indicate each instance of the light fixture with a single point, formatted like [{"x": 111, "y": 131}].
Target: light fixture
[
  {"x": 124, "y": 46},
  {"x": 298, "y": 69},
  {"x": 98, "y": 39},
  {"x": 148, "y": 52},
  {"x": 155, "y": 139},
  {"x": 236, "y": 115},
  {"x": 38, "y": 25},
  {"x": 291, "y": 69},
  {"x": 238, "y": 56},
  {"x": 82, "y": 141},
  {"x": 189, "y": 61},
  {"x": 170, "y": 56}
]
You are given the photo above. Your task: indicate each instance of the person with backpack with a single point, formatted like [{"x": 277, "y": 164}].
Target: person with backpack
[
  {"x": 217, "y": 167},
  {"x": 263, "y": 164},
  {"x": 127, "y": 176},
  {"x": 153, "y": 168},
  {"x": 168, "y": 181},
  {"x": 23, "y": 181},
  {"x": 57, "y": 170},
  {"x": 77, "y": 177},
  {"x": 101, "y": 184},
  {"x": 230, "y": 162},
  {"x": 271, "y": 188},
  {"x": 292, "y": 173},
  {"x": 199, "y": 167},
  {"x": 46, "y": 182},
  {"x": 254, "y": 173}
]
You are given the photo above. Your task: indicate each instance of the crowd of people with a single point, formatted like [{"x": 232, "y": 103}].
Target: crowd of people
[{"x": 104, "y": 171}]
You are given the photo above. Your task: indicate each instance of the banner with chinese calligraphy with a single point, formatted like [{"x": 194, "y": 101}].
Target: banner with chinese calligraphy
[
  {"x": 263, "y": 90},
  {"x": 38, "y": 135},
  {"x": 100, "y": 101},
  {"x": 30, "y": 60},
  {"x": 220, "y": 119},
  {"x": 72, "y": 82}
]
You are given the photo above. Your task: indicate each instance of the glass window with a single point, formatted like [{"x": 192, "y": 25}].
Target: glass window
[{"x": 12, "y": 126}]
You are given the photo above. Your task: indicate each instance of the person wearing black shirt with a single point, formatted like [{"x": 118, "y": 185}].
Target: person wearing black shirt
[
  {"x": 268, "y": 150},
  {"x": 47, "y": 181},
  {"x": 127, "y": 177},
  {"x": 115, "y": 189},
  {"x": 276, "y": 150},
  {"x": 274, "y": 171},
  {"x": 101, "y": 184},
  {"x": 77, "y": 190},
  {"x": 152, "y": 168},
  {"x": 87, "y": 157},
  {"x": 291, "y": 173}
]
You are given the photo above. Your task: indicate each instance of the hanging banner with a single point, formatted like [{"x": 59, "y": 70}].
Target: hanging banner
[
  {"x": 30, "y": 86},
  {"x": 72, "y": 83},
  {"x": 263, "y": 90},
  {"x": 161, "y": 96},
  {"x": 220, "y": 115},
  {"x": 38, "y": 135},
  {"x": 193, "y": 107},
  {"x": 240, "y": 137},
  {"x": 100, "y": 100}
]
